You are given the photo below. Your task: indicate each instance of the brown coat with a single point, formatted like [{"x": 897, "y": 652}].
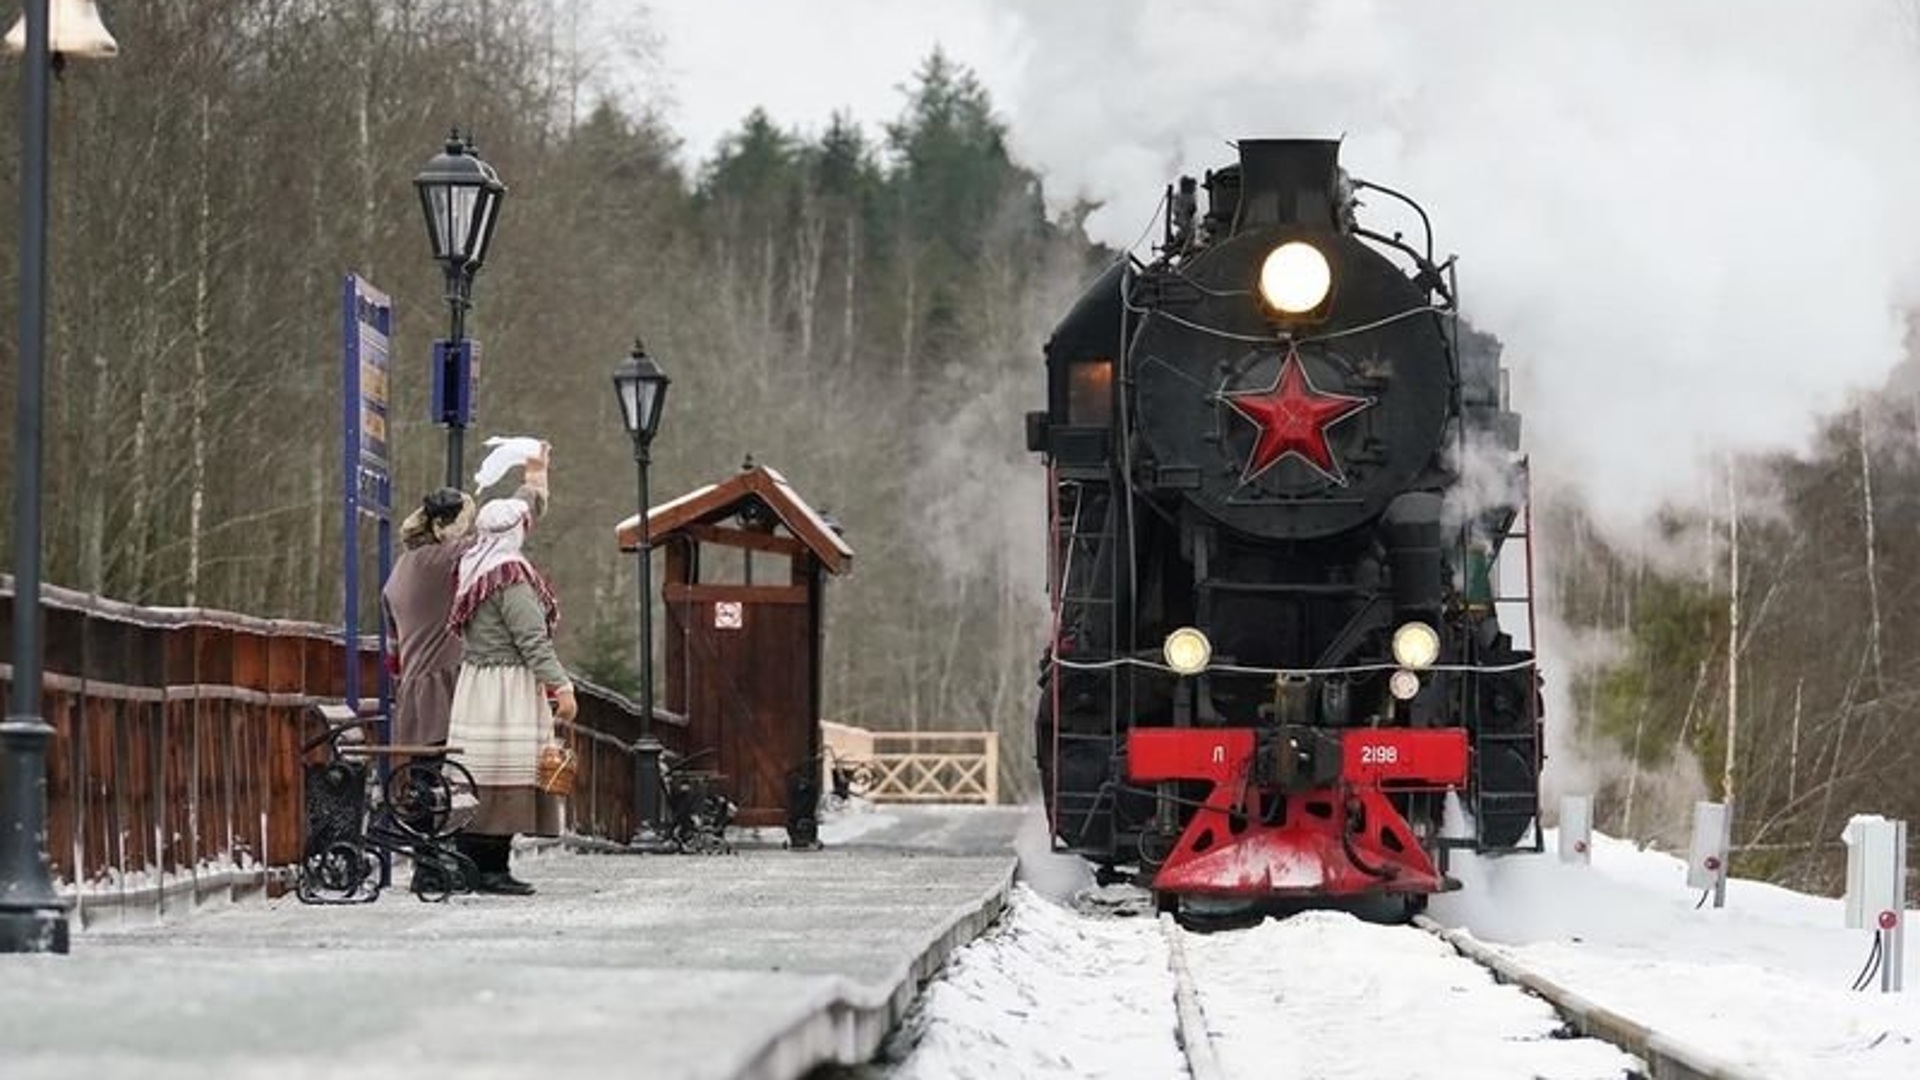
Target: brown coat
[{"x": 417, "y": 596}]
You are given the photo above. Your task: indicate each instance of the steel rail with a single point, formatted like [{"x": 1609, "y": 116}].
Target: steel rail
[
  {"x": 1196, "y": 1042},
  {"x": 1666, "y": 1057}
]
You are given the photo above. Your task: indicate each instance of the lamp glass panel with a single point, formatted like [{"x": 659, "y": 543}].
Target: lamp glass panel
[
  {"x": 649, "y": 404},
  {"x": 436, "y": 197},
  {"x": 629, "y": 389},
  {"x": 483, "y": 227},
  {"x": 460, "y": 206}
]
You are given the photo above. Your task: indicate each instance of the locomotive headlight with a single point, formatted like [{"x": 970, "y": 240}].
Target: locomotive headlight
[
  {"x": 1295, "y": 278},
  {"x": 1416, "y": 645},
  {"x": 1187, "y": 651},
  {"x": 1403, "y": 685}
]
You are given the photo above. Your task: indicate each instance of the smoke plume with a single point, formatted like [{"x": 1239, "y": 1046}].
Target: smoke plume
[{"x": 1692, "y": 226}]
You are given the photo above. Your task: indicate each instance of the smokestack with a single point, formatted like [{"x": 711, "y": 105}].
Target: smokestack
[{"x": 1289, "y": 182}]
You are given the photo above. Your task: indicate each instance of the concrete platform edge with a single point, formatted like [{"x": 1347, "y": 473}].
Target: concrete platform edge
[{"x": 848, "y": 1027}]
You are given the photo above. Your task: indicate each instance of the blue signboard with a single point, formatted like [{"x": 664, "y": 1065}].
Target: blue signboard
[
  {"x": 366, "y": 478},
  {"x": 369, "y": 326},
  {"x": 366, "y": 475}
]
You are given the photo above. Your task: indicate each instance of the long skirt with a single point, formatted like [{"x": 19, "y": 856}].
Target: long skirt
[{"x": 500, "y": 722}]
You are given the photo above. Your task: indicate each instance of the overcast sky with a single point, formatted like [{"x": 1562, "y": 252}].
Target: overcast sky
[
  {"x": 1693, "y": 223},
  {"x": 803, "y": 59}
]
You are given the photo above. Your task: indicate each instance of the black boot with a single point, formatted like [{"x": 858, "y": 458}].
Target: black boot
[
  {"x": 502, "y": 883},
  {"x": 490, "y": 854}
]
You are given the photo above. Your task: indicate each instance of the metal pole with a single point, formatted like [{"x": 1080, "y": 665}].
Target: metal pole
[
  {"x": 457, "y": 290},
  {"x": 1726, "y": 856},
  {"x": 32, "y": 916},
  {"x": 1733, "y": 682},
  {"x": 646, "y": 751},
  {"x": 1893, "y": 954},
  {"x": 644, "y": 459}
]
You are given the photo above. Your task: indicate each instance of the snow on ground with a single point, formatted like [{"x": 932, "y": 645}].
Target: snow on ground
[
  {"x": 1049, "y": 993},
  {"x": 1056, "y": 992},
  {"x": 1326, "y": 996},
  {"x": 1763, "y": 983}
]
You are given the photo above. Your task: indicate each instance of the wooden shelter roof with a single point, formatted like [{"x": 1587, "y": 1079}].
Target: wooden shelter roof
[{"x": 717, "y": 502}]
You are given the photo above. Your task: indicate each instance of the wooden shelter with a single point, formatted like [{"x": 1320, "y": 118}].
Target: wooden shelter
[{"x": 746, "y": 563}]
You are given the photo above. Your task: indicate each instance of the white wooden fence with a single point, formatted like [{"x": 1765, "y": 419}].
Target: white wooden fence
[{"x": 916, "y": 766}]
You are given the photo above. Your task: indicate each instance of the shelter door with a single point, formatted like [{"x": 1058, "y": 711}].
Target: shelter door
[{"x": 747, "y": 649}]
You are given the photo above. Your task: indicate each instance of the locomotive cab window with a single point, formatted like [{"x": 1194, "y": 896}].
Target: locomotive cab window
[{"x": 1090, "y": 392}]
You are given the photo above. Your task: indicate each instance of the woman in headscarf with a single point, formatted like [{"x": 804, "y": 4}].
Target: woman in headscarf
[
  {"x": 418, "y": 594},
  {"x": 505, "y": 614}
]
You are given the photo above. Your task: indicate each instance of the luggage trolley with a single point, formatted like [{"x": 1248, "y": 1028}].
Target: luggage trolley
[{"x": 356, "y": 823}]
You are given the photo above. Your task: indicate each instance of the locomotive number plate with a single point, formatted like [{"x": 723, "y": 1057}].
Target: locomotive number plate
[{"x": 1436, "y": 756}]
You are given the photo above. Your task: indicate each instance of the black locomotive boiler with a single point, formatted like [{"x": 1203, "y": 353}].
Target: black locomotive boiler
[{"x": 1281, "y": 474}]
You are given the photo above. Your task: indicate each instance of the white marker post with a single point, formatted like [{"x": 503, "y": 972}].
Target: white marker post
[
  {"x": 1707, "y": 863},
  {"x": 1876, "y": 895},
  {"x": 1576, "y": 829}
]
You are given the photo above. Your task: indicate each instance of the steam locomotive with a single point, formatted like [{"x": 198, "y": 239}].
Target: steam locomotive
[{"x": 1282, "y": 475}]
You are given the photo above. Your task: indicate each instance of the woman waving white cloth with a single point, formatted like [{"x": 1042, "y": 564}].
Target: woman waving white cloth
[{"x": 505, "y": 613}]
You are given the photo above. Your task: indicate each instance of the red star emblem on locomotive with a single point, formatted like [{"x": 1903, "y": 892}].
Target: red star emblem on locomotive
[{"x": 1292, "y": 418}]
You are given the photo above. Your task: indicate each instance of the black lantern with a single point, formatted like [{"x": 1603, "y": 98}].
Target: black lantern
[
  {"x": 460, "y": 195},
  {"x": 642, "y": 389}
]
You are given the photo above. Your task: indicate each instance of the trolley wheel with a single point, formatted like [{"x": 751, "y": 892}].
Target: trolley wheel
[
  {"x": 335, "y": 874},
  {"x": 432, "y": 801},
  {"x": 439, "y": 872}
]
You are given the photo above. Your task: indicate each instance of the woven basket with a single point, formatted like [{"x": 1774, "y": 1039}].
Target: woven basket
[{"x": 558, "y": 768}]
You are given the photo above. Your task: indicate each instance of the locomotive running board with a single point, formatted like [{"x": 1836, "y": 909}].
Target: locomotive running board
[{"x": 1343, "y": 840}]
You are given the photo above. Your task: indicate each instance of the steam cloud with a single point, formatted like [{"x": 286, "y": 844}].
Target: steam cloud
[{"x": 1692, "y": 225}]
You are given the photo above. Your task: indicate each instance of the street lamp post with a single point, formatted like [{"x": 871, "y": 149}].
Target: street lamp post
[
  {"x": 641, "y": 388},
  {"x": 33, "y": 918},
  {"x": 461, "y": 196}
]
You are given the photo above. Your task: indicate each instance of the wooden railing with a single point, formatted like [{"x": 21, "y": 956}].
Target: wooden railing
[
  {"x": 175, "y": 771},
  {"x": 601, "y": 806},
  {"x": 920, "y": 766}
]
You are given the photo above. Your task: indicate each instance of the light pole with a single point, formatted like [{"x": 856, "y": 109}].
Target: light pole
[
  {"x": 33, "y": 918},
  {"x": 461, "y": 196},
  {"x": 641, "y": 388}
]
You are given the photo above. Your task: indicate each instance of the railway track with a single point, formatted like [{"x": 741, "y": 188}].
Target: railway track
[
  {"x": 1663, "y": 1057},
  {"x": 1330, "y": 998}
]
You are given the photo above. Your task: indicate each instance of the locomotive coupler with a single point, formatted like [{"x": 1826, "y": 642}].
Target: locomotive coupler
[{"x": 1296, "y": 758}]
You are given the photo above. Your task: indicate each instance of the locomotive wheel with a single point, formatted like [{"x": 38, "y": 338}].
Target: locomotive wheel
[{"x": 1203, "y": 915}]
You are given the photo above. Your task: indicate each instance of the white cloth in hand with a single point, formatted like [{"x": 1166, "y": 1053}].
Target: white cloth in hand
[{"x": 509, "y": 453}]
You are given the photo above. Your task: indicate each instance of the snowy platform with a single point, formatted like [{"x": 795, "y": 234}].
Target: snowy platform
[{"x": 757, "y": 965}]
